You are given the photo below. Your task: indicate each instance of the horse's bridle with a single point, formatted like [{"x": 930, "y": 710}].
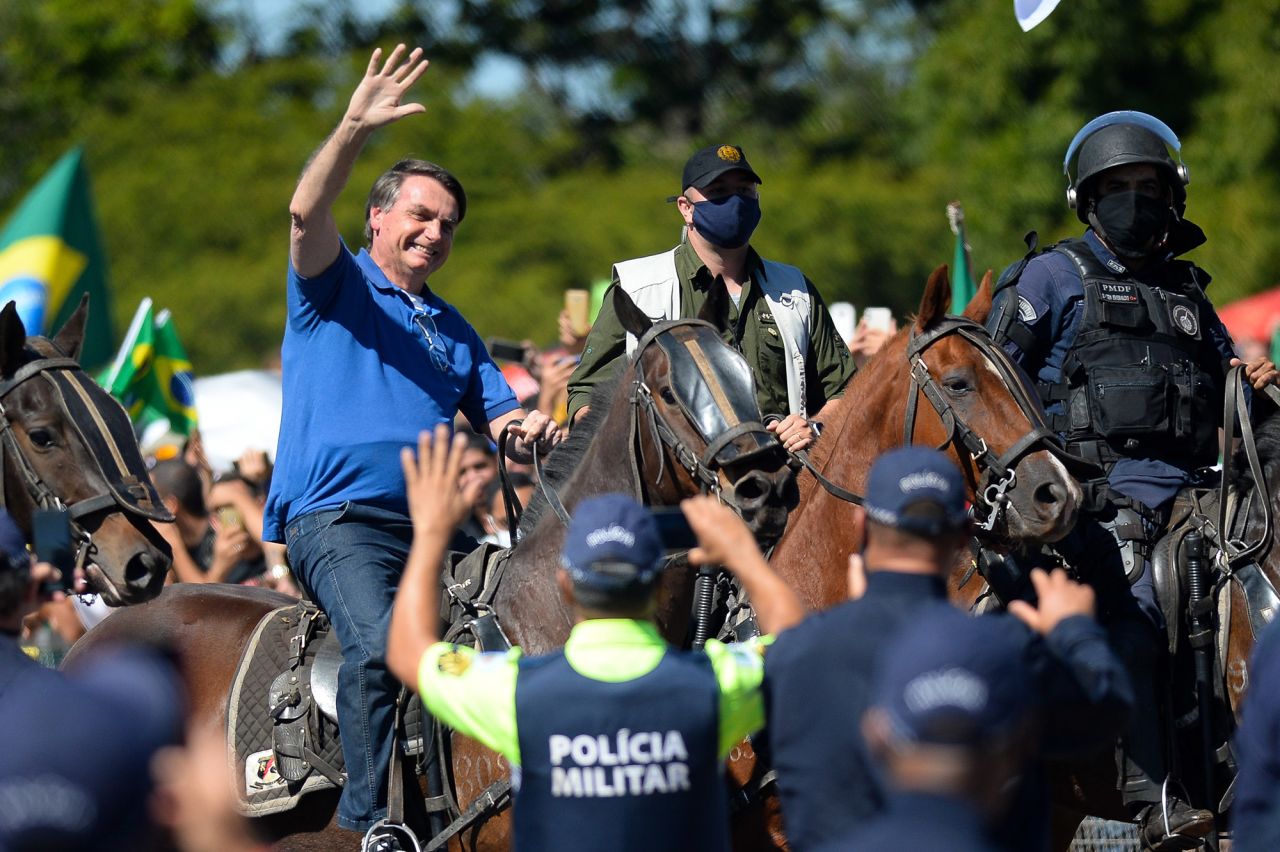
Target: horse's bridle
[
  {"x": 997, "y": 474},
  {"x": 703, "y": 468},
  {"x": 133, "y": 496}
]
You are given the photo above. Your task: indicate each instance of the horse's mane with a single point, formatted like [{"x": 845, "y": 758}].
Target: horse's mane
[
  {"x": 1267, "y": 435},
  {"x": 564, "y": 460}
]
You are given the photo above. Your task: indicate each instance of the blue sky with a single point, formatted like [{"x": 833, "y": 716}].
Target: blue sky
[{"x": 495, "y": 76}]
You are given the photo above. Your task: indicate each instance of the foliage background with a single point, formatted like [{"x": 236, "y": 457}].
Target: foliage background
[{"x": 865, "y": 118}]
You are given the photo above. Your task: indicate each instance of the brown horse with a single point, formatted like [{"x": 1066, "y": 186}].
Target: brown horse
[
  {"x": 682, "y": 419},
  {"x": 65, "y": 442},
  {"x": 977, "y": 402}
]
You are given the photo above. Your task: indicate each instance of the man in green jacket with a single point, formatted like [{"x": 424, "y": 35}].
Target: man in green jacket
[{"x": 773, "y": 313}]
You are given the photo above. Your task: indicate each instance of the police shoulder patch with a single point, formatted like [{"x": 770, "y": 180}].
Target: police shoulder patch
[
  {"x": 1026, "y": 310},
  {"x": 1186, "y": 320},
  {"x": 453, "y": 662}
]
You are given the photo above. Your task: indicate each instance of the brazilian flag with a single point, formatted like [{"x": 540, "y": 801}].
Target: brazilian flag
[
  {"x": 50, "y": 255},
  {"x": 152, "y": 375}
]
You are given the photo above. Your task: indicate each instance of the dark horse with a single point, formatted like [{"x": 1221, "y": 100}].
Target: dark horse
[
  {"x": 681, "y": 419},
  {"x": 940, "y": 382},
  {"x": 65, "y": 442}
]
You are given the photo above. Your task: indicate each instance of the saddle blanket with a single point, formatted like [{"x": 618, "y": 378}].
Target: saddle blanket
[{"x": 261, "y": 789}]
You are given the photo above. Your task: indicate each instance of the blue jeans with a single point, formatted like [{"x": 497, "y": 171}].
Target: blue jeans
[{"x": 349, "y": 560}]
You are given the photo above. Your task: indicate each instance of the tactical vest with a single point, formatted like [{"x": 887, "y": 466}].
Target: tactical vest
[
  {"x": 1142, "y": 377},
  {"x": 620, "y": 766}
]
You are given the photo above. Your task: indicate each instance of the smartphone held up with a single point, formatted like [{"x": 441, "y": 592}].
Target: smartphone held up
[{"x": 52, "y": 542}]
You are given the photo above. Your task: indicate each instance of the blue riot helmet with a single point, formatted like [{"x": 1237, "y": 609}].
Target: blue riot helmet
[{"x": 1117, "y": 139}]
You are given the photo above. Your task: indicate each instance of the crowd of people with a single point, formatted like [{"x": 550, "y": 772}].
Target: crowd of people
[{"x": 892, "y": 720}]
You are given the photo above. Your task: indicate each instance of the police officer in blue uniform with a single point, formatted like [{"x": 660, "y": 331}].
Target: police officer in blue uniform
[
  {"x": 952, "y": 726},
  {"x": 617, "y": 741},
  {"x": 818, "y": 674},
  {"x": 1129, "y": 357},
  {"x": 1255, "y": 815},
  {"x": 75, "y": 748}
]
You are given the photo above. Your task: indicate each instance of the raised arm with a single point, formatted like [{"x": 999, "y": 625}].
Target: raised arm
[
  {"x": 437, "y": 505},
  {"x": 376, "y": 102}
]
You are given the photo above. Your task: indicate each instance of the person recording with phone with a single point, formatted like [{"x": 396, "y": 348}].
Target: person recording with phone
[
  {"x": 671, "y": 715},
  {"x": 773, "y": 314},
  {"x": 213, "y": 541}
]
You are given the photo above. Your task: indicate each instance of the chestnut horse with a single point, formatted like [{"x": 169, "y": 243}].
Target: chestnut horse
[
  {"x": 65, "y": 442},
  {"x": 682, "y": 419},
  {"x": 978, "y": 400}
]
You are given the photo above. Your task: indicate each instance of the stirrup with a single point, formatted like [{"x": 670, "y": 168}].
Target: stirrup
[
  {"x": 1164, "y": 802},
  {"x": 383, "y": 835}
]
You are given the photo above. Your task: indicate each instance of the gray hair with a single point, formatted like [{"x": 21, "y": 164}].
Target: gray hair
[{"x": 386, "y": 189}]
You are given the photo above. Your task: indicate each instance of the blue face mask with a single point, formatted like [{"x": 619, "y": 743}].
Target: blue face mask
[{"x": 727, "y": 222}]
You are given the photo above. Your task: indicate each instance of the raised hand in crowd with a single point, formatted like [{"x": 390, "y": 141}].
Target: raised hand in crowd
[
  {"x": 194, "y": 796},
  {"x": 867, "y": 341},
  {"x": 573, "y": 342},
  {"x": 1058, "y": 598},
  {"x": 553, "y": 390},
  {"x": 254, "y": 466}
]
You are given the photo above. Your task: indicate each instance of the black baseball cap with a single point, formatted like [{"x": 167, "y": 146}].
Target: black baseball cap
[{"x": 712, "y": 161}]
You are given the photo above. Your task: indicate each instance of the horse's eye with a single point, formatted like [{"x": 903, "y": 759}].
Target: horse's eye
[
  {"x": 42, "y": 438},
  {"x": 957, "y": 384},
  {"x": 667, "y": 396}
]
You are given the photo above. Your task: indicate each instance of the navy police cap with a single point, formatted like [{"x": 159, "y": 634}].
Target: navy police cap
[
  {"x": 953, "y": 679},
  {"x": 612, "y": 543},
  {"x": 920, "y": 479}
]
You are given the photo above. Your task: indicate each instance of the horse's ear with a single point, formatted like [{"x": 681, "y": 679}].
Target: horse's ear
[
  {"x": 70, "y": 338},
  {"x": 13, "y": 339},
  {"x": 713, "y": 309},
  {"x": 632, "y": 318},
  {"x": 937, "y": 298},
  {"x": 979, "y": 307}
]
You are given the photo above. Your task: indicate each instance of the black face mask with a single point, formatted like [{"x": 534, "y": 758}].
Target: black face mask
[{"x": 1131, "y": 222}]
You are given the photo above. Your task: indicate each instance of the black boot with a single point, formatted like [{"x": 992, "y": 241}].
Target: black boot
[{"x": 1177, "y": 826}]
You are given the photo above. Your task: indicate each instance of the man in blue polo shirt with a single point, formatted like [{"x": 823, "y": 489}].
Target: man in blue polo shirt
[{"x": 371, "y": 357}]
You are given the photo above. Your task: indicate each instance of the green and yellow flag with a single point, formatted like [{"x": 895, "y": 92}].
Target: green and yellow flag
[
  {"x": 152, "y": 375},
  {"x": 962, "y": 287},
  {"x": 50, "y": 254}
]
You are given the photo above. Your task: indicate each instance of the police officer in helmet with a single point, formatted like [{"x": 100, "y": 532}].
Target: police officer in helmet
[{"x": 1130, "y": 359}]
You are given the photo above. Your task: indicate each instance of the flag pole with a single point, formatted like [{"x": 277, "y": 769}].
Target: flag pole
[
  {"x": 962, "y": 284},
  {"x": 130, "y": 337}
]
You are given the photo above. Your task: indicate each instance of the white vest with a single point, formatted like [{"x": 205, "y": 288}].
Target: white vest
[{"x": 654, "y": 285}]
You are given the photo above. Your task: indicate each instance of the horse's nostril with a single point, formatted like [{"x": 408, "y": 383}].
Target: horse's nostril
[
  {"x": 751, "y": 488},
  {"x": 1049, "y": 494},
  {"x": 141, "y": 569}
]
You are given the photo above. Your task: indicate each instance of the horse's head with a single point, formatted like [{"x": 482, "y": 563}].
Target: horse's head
[
  {"x": 697, "y": 424},
  {"x": 980, "y": 404},
  {"x": 65, "y": 442}
]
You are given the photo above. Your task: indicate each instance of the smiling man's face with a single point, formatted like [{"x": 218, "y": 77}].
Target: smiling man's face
[{"x": 412, "y": 238}]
